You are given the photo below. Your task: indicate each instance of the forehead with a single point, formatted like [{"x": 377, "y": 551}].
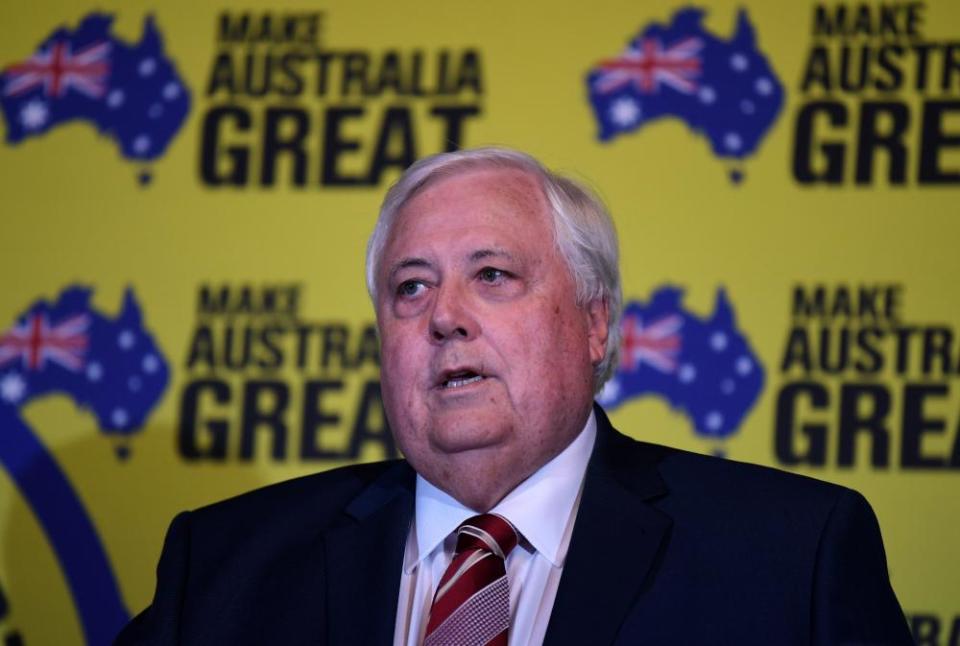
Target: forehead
[{"x": 505, "y": 203}]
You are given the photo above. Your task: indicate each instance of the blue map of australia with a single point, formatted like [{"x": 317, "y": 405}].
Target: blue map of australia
[
  {"x": 703, "y": 367},
  {"x": 108, "y": 365},
  {"x": 725, "y": 90},
  {"x": 129, "y": 92}
]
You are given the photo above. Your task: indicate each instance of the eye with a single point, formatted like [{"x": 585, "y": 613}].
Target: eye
[
  {"x": 410, "y": 288},
  {"x": 491, "y": 275}
]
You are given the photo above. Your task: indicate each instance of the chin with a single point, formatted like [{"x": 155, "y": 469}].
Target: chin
[
  {"x": 477, "y": 479},
  {"x": 468, "y": 433}
]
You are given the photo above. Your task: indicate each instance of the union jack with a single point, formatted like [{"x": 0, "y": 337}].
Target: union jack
[
  {"x": 657, "y": 344},
  {"x": 646, "y": 64},
  {"x": 35, "y": 341},
  {"x": 58, "y": 69}
]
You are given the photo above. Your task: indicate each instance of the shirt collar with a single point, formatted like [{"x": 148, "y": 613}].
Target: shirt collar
[{"x": 540, "y": 507}]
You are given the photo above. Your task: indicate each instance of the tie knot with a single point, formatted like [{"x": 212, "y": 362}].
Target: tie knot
[{"x": 487, "y": 532}]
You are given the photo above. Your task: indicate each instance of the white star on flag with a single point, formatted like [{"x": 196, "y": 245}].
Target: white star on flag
[
  {"x": 34, "y": 115},
  {"x": 625, "y": 112},
  {"x": 12, "y": 388}
]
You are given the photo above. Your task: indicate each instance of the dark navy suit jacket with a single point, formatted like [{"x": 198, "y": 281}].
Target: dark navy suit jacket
[{"x": 669, "y": 547}]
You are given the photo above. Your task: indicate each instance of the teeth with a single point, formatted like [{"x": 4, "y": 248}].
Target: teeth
[{"x": 457, "y": 382}]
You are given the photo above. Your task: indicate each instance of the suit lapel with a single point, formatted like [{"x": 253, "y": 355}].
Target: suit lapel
[
  {"x": 615, "y": 542},
  {"x": 364, "y": 558}
]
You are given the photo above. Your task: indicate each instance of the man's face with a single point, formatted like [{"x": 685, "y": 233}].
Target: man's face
[{"x": 487, "y": 361}]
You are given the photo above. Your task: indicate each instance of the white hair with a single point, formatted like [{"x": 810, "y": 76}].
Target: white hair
[{"x": 583, "y": 230}]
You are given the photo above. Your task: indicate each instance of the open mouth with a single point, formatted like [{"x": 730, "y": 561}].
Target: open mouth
[{"x": 459, "y": 379}]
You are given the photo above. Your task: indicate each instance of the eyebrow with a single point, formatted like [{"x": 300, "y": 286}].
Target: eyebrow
[
  {"x": 479, "y": 254},
  {"x": 409, "y": 262},
  {"x": 495, "y": 252}
]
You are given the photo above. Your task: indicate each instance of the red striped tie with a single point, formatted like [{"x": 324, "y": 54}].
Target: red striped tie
[{"x": 472, "y": 603}]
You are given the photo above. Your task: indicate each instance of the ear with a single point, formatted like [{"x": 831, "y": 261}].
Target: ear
[{"x": 597, "y": 311}]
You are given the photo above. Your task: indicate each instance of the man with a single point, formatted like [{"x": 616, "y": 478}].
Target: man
[{"x": 520, "y": 516}]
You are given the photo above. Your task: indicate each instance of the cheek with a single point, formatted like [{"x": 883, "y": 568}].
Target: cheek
[
  {"x": 538, "y": 352},
  {"x": 397, "y": 348},
  {"x": 394, "y": 369},
  {"x": 404, "y": 365},
  {"x": 563, "y": 345}
]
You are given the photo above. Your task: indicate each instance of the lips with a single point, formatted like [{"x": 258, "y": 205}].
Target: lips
[{"x": 459, "y": 378}]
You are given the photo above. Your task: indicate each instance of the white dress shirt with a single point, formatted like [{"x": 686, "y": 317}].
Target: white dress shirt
[{"x": 542, "y": 508}]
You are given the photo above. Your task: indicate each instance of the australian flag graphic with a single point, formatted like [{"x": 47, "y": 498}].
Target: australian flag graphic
[
  {"x": 131, "y": 93},
  {"x": 724, "y": 89},
  {"x": 108, "y": 365},
  {"x": 703, "y": 367}
]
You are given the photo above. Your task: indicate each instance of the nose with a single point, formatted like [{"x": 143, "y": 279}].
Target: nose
[{"x": 452, "y": 316}]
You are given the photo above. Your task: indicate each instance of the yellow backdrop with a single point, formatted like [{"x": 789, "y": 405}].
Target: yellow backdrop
[{"x": 242, "y": 243}]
